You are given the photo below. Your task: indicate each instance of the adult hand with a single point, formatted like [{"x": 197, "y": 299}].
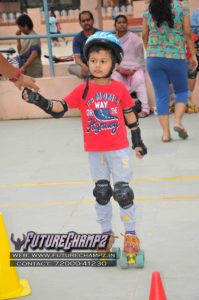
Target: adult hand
[
  {"x": 131, "y": 72},
  {"x": 126, "y": 72},
  {"x": 18, "y": 32},
  {"x": 193, "y": 62},
  {"x": 23, "y": 69},
  {"x": 26, "y": 81}
]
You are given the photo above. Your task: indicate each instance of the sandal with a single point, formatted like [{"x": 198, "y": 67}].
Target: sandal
[{"x": 181, "y": 132}]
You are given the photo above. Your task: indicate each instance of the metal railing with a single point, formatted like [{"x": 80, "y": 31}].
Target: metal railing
[{"x": 49, "y": 36}]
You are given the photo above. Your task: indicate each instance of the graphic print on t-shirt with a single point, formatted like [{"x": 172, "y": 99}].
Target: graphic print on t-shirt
[{"x": 102, "y": 110}]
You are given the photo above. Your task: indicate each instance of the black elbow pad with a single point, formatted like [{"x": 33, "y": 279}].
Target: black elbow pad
[{"x": 58, "y": 115}]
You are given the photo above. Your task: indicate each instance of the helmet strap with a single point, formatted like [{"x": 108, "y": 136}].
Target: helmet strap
[{"x": 86, "y": 87}]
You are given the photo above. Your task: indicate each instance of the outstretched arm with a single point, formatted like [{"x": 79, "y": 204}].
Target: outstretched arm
[
  {"x": 16, "y": 76},
  {"x": 190, "y": 42},
  {"x": 132, "y": 123},
  {"x": 56, "y": 108}
]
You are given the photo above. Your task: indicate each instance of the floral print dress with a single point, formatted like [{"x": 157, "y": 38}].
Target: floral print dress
[{"x": 165, "y": 41}]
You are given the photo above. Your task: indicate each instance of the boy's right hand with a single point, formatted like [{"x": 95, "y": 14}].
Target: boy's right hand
[
  {"x": 25, "y": 95},
  {"x": 30, "y": 96},
  {"x": 38, "y": 100}
]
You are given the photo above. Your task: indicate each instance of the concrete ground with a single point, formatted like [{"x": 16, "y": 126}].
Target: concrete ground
[{"x": 45, "y": 186}]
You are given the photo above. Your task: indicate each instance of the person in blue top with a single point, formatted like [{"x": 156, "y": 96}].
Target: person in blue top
[{"x": 80, "y": 67}]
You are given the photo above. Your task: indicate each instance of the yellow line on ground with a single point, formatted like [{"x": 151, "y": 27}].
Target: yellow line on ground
[
  {"x": 89, "y": 201},
  {"x": 177, "y": 178},
  {"x": 44, "y": 184},
  {"x": 47, "y": 203}
]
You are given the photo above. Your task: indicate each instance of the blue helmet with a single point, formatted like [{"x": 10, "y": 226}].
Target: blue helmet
[{"x": 101, "y": 38}]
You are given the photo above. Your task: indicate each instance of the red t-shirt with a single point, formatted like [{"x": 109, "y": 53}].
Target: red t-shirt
[{"x": 102, "y": 115}]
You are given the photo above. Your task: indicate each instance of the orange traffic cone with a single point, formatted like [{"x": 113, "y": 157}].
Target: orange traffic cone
[
  {"x": 10, "y": 285},
  {"x": 157, "y": 290}
]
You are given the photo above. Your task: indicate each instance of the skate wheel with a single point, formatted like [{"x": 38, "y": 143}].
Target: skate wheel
[
  {"x": 141, "y": 252},
  {"x": 124, "y": 254},
  {"x": 140, "y": 259},
  {"x": 191, "y": 109},
  {"x": 123, "y": 261},
  {"x": 117, "y": 251}
]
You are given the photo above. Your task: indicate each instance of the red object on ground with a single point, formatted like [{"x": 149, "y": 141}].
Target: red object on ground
[{"x": 157, "y": 290}]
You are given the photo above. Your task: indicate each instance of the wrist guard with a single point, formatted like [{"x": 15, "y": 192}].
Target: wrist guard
[
  {"x": 137, "y": 141},
  {"x": 43, "y": 103}
]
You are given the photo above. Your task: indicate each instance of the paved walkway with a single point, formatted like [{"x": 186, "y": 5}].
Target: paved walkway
[{"x": 45, "y": 186}]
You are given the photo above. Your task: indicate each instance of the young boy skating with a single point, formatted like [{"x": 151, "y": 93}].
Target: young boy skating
[{"x": 105, "y": 106}]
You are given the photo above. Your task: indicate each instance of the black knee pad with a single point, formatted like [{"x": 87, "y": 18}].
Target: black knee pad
[
  {"x": 123, "y": 194},
  {"x": 103, "y": 191}
]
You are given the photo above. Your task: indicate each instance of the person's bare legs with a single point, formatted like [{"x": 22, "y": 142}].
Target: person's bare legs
[
  {"x": 192, "y": 83},
  {"x": 178, "y": 126},
  {"x": 179, "y": 112},
  {"x": 164, "y": 122}
]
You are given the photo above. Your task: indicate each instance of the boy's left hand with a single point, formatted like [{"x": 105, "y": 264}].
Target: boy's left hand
[
  {"x": 138, "y": 151},
  {"x": 137, "y": 143}
]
